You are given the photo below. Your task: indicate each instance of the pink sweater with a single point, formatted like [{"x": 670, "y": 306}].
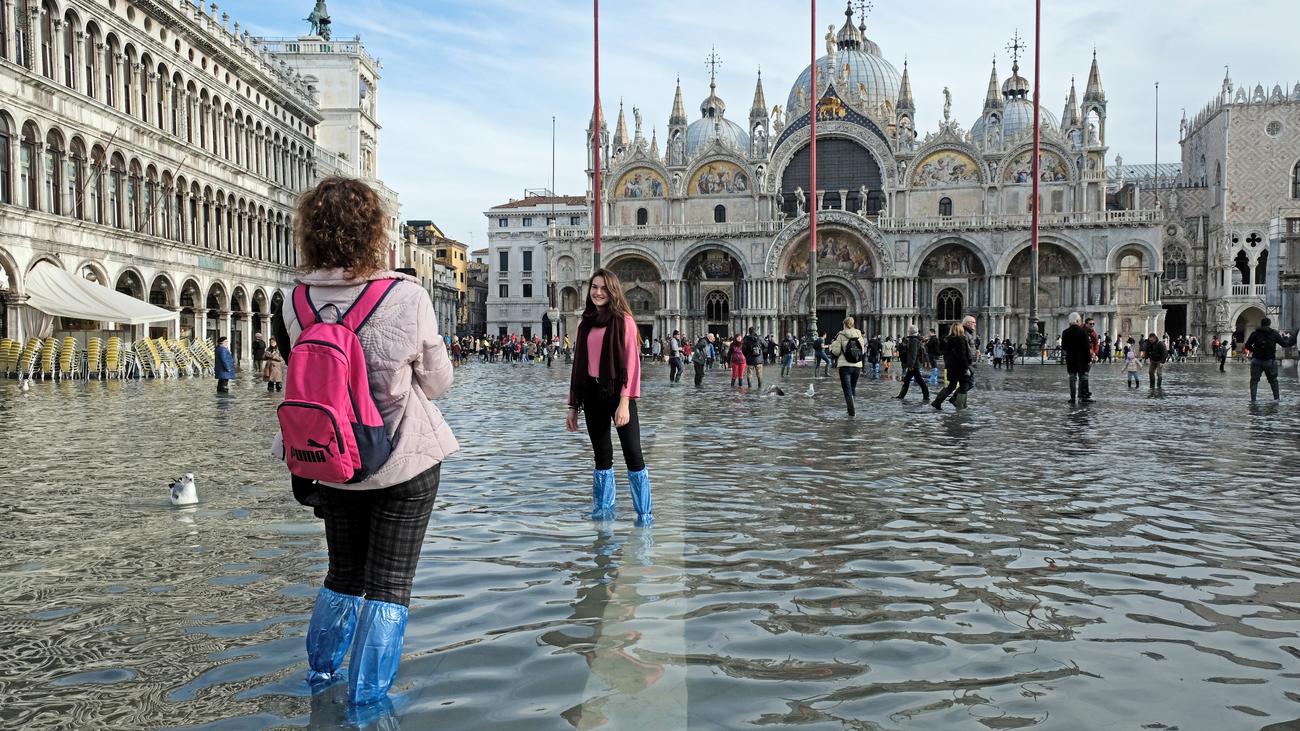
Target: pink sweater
[{"x": 596, "y": 342}]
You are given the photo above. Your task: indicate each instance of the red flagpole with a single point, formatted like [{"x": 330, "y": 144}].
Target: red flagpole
[
  {"x": 595, "y": 144},
  {"x": 1033, "y": 337},
  {"x": 812, "y": 184}
]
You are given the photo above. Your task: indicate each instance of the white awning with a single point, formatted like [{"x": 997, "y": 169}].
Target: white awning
[{"x": 56, "y": 292}]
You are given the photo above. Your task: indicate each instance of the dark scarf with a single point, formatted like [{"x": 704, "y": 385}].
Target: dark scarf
[{"x": 613, "y": 361}]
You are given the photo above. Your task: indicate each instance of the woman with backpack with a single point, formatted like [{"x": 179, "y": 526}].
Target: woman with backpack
[
  {"x": 849, "y": 348},
  {"x": 956, "y": 362},
  {"x": 605, "y": 385},
  {"x": 364, "y": 342}
]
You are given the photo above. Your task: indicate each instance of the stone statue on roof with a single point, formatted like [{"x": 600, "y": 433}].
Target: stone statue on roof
[{"x": 320, "y": 20}]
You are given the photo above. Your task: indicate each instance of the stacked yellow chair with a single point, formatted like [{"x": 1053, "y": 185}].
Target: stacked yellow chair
[
  {"x": 94, "y": 357},
  {"x": 8, "y": 356},
  {"x": 114, "y": 362},
  {"x": 28, "y": 358},
  {"x": 165, "y": 357},
  {"x": 181, "y": 356},
  {"x": 69, "y": 362},
  {"x": 49, "y": 357}
]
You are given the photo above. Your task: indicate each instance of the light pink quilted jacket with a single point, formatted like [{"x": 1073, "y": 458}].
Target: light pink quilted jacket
[{"x": 408, "y": 366}]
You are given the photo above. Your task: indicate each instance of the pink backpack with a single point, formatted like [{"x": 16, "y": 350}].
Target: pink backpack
[{"x": 331, "y": 429}]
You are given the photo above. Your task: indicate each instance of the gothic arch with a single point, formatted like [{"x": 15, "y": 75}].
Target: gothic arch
[
  {"x": 861, "y": 304},
  {"x": 170, "y": 294},
  {"x": 95, "y": 266},
  {"x": 791, "y": 145},
  {"x": 11, "y": 269},
  {"x": 914, "y": 269},
  {"x": 1072, "y": 175},
  {"x": 626, "y": 250},
  {"x": 132, "y": 276},
  {"x": 637, "y": 160},
  {"x": 982, "y": 169},
  {"x": 51, "y": 258},
  {"x": 1085, "y": 263},
  {"x": 776, "y": 253},
  {"x": 716, "y": 156}
]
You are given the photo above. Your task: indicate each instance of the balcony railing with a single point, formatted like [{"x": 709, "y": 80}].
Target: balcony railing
[
  {"x": 672, "y": 230},
  {"x": 1249, "y": 290},
  {"x": 526, "y": 275},
  {"x": 1019, "y": 220}
]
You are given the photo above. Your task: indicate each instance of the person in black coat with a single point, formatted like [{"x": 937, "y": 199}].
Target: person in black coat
[
  {"x": 1263, "y": 344},
  {"x": 1076, "y": 348},
  {"x": 956, "y": 361}
]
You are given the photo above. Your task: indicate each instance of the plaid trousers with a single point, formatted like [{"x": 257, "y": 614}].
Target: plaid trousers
[{"x": 374, "y": 536}]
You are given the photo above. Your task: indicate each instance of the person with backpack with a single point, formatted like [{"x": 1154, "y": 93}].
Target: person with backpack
[
  {"x": 912, "y": 358},
  {"x": 1263, "y": 344},
  {"x": 700, "y": 359},
  {"x": 736, "y": 358},
  {"x": 1157, "y": 354},
  {"x": 753, "y": 359},
  {"x": 359, "y": 429},
  {"x": 956, "y": 362},
  {"x": 605, "y": 385},
  {"x": 849, "y": 348},
  {"x": 875, "y": 351}
]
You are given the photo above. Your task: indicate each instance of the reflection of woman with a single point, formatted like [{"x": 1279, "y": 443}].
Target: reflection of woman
[{"x": 605, "y": 384}]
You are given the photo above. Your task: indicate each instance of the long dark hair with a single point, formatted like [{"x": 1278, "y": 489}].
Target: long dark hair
[{"x": 618, "y": 305}]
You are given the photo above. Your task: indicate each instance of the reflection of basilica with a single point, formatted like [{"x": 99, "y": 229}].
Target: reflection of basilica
[{"x": 713, "y": 233}]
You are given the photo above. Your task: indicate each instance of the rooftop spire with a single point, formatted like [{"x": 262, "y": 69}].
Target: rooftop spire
[
  {"x": 905, "y": 91},
  {"x": 713, "y": 107},
  {"x": 1070, "y": 119},
  {"x": 1094, "y": 93},
  {"x": 620, "y": 129},
  {"x": 678, "y": 116},
  {"x": 993, "y": 99},
  {"x": 654, "y": 144},
  {"x": 759, "y": 107},
  {"x": 849, "y": 37}
]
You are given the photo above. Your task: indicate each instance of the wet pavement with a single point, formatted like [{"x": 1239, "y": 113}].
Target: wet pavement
[{"x": 1126, "y": 564}]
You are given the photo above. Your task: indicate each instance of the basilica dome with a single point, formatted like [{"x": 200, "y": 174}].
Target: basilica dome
[
  {"x": 713, "y": 125},
  {"x": 870, "y": 76},
  {"x": 1017, "y": 110}
]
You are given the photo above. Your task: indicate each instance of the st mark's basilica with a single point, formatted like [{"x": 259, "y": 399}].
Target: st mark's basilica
[{"x": 914, "y": 226}]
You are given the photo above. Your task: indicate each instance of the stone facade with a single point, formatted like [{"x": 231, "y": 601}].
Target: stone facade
[
  {"x": 712, "y": 235},
  {"x": 518, "y": 300},
  {"x": 152, "y": 148}
]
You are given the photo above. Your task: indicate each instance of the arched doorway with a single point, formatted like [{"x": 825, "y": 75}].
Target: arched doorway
[
  {"x": 190, "y": 301},
  {"x": 215, "y": 303},
  {"x": 641, "y": 284},
  {"x": 1247, "y": 321},
  {"x": 570, "y": 311},
  {"x": 1059, "y": 291},
  {"x": 8, "y": 291},
  {"x": 844, "y": 263},
  {"x": 834, "y": 303},
  {"x": 161, "y": 294},
  {"x": 710, "y": 289},
  {"x": 240, "y": 328},
  {"x": 949, "y": 279}
]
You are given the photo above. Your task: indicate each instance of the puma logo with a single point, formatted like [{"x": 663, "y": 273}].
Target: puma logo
[{"x": 325, "y": 446}]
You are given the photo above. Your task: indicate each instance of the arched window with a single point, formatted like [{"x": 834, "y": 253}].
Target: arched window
[
  {"x": 6, "y": 135},
  {"x": 116, "y": 175},
  {"x": 110, "y": 72},
  {"x": 133, "y": 198},
  {"x": 95, "y": 186},
  {"x": 69, "y": 51},
  {"x": 47, "y": 40},
  {"x": 1295, "y": 181},
  {"x": 92, "y": 60},
  {"x": 4, "y": 33},
  {"x": 717, "y": 306},
  {"x": 642, "y": 216},
  {"x": 27, "y": 184},
  {"x": 53, "y": 184},
  {"x": 945, "y": 206},
  {"x": 948, "y": 305},
  {"x": 719, "y": 214}
]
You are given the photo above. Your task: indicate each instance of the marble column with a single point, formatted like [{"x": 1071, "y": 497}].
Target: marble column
[
  {"x": 56, "y": 50},
  {"x": 7, "y": 7}
]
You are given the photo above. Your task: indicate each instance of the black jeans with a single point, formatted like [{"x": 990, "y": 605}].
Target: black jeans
[
  {"x": 374, "y": 536},
  {"x": 699, "y": 374},
  {"x": 914, "y": 374},
  {"x": 223, "y": 385},
  {"x": 959, "y": 382},
  {"x": 599, "y": 409},
  {"x": 674, "y": 369},
  {"x": 849, "y": 384},
  {"x": 1268, "y": 368}
]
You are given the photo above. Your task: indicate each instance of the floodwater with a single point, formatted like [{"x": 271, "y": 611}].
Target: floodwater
[{"x": 1129, "y": 564}]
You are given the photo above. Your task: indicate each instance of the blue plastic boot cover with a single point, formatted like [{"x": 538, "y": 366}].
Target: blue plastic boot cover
[
  {"x": 602, "y": 494},
  {"x": 639, "y": 484},
  {"x": 330, "y": 632},
  {"x": 377, "y": 651}
]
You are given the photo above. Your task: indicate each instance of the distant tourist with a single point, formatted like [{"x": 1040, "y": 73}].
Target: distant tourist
[
  {"x": 700, "y": 359},
  {"x": 912, "y": 360},
  {"x": 375, "y": 522},
  {"x": 273, "y": 367},
  {"x": 1076, "y": 348},
  {"x": 849, "y": 348},
  {"x": 225, "y": 370},
  {"x": 604, "y": 386},
  {"x": 933, "y": 351},
  {"x": 956, "y": 363},
  {"x": 675, "y": 358},
  {"x": 1263, "y": 344},
  {"x": 1157, "y": 353},
  {"x": 1132, "y": 379},
  {"x": 259, "y": 349},
  {"x": 789, "y": 347},
  {"x": 753, "y": 359},
  {"x": 736, "y": 357}
]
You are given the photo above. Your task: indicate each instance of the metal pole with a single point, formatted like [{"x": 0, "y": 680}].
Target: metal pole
[
  {"x": 812, "y": 184},
  {"x": 596, "y": 150},
  {"x": 1157, "y": 133},
  {"x": 1034, "y": 339}
]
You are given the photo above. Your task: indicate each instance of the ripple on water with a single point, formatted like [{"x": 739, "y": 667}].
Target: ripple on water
[{"x": 1021, "y": 564}]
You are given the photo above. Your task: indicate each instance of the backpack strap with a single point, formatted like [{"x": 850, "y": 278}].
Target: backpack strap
[
  {"x": 302, "y": 305},
  {"x": 365, "y": 305}
]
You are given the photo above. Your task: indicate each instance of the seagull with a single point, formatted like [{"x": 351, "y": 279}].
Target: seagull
[
  {"x": 184, "y": 491},
  {"x": 810, "y": 392},
  {"x": 27, "y": 385}
]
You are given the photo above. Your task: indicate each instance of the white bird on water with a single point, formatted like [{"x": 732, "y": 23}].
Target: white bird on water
[
  {"x": 810, "y": 392},
  {"x": 27, "y": 385},
  {"x": 184, "y": 491}
]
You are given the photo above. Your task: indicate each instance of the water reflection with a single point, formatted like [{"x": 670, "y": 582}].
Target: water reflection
[{"x": 1020, "y": 563}]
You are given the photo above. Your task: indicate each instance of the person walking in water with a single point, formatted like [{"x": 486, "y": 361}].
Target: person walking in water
[
  {"x": 225, "y": 367},
  {"x": 374, "y": 524},
  {"x": 849, "y": 347},
  {"x": 1263, "y": 344},
  {"x": 956, "y": 363},
  {"x": 1156, "y": 354},
  {"x": 912, "y": 360},
  {"x": 273, "y": 366},
  {"x": 789, "y": 346},
  {"x": 1076, "y": 346},
  {"x": 753, "y": 359},
  {"x": 675, "y": 364},
  {"x": 605, "y": 386},
  {"x": 699, "y": 359},
  {"x": 736, "y": 358}
]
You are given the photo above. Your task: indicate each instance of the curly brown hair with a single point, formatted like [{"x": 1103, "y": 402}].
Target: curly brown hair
[{"x": 341, "y": 225}]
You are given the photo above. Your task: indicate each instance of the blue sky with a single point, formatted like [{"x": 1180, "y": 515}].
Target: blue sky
[{"x": 469, "y": 87}]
